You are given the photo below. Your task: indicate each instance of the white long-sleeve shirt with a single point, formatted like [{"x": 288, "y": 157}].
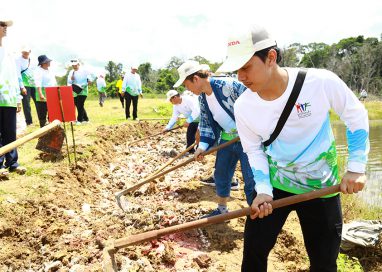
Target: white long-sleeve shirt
[
  {"x": 303, "y": 157},
  {"x": 132, "y": 84},
  {"x": 189, "y": 108}
]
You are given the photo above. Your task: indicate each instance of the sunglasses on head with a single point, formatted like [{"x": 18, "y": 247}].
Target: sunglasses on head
[{"x": 3, "y": 24}]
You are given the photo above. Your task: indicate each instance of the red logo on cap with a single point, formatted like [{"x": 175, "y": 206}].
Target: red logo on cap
[{"x": 233, "y": 43}]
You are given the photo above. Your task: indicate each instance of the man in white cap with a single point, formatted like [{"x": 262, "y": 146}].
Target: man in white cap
[
  {"x": 131, "y": 89},
  {"x": 301, "y": 157},
  {"x": 101, "y": 87},
  {"x": 188, "y": 106},
  {"x": 217, "y": 124},
  {"x": 79, "y": 78},
  {"x": 10, "y": 104},
  {"x": 26, "y": 68}
]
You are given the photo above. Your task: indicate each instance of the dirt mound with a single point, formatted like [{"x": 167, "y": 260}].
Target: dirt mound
[{"x": 62, "y": 226}]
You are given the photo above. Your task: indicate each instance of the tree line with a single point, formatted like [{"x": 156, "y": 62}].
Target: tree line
[{"x": 357, "y": 60}]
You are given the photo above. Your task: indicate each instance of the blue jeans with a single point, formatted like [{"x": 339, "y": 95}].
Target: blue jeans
[{"x": 225, "y": 165}]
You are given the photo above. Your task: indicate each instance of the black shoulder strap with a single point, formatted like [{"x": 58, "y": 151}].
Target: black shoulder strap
[
  {"x": 29, "y": 62},
  {"x": 288, "y": 107}
]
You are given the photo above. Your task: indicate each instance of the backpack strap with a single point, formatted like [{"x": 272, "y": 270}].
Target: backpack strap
[{"x": 289, "y": 106}]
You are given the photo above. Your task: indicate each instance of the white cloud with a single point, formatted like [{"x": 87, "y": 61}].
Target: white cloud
[{"x": 154, "y": 31}]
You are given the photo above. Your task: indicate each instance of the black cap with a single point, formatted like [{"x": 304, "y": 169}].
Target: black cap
[{"x": 43, "y": 59}]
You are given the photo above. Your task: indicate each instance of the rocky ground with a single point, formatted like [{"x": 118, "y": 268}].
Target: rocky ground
[{"x": 65, "y": 225}]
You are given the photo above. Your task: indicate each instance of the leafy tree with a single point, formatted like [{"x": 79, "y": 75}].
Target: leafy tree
[{"x": 113, "y": 71}]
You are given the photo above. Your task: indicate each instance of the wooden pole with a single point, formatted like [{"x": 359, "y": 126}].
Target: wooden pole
[{"x": 35, "y": 134}]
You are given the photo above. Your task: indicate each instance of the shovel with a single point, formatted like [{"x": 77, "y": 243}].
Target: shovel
[
  {"x": 118, "y": 195},
  {"x": 113, "y": 246},
  {"x": 159, "y": 133},
  {"x": 50, "y": 128}
]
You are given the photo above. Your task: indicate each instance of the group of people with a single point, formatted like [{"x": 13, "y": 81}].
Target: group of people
[{"x": 279, "y": 157}]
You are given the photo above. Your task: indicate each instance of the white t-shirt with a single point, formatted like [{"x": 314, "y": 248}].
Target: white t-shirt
[
  {"x": 44, "y": 78},
  {"x": 303, "y": 156},
  {"x": 220, "y": 115}
]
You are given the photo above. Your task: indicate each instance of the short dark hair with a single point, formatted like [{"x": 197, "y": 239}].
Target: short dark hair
[
  {"x": 263, "y": 54},
  {"x": 201, "y": 74}
]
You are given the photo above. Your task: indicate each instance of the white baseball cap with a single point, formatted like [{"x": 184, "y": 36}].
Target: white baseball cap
[
  {"x": 6, "y": 21},
  {"x": 74, "y": 62},
  {"x": 241, "y": 48},
  {"x": 186, "y": 69},
  {"x": 170, "y": 94},
  {"x": 25, "y": 48}
]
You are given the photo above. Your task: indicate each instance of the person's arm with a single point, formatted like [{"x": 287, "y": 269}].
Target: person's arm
[
  {"x": 70, "y": 79},
  {"x": 253, "y": 147},
  {"x": 353, "y": 113},
  {"x": 174, "y": 118},
  {"x": 207, "y": 136}
]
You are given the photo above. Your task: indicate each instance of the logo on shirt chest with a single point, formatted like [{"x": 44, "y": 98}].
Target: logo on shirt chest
[{"x": 303, "y": 109}]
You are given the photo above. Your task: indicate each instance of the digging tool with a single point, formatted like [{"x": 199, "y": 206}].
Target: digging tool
[
  {"x": 162, "y": 132},
  {"x": 118, "y": 195},
  {"x": 122, "y": 193},
  {"x": 35, "y": 134},
  {"x": 113, "y": 246}
]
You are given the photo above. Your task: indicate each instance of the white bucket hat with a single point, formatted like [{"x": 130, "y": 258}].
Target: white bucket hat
[
  {"x": 186, "y": 69},
  {"x": 170, "y": 94},
  {"x": 241, "y": 48}
]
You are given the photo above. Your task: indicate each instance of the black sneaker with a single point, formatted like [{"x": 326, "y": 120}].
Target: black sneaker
[{"x": 208, "y": 181}]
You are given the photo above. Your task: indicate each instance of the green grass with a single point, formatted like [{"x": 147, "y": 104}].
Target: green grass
[
  {"x": 374, "y": 109},
  {"x": 346, "y": 263}
]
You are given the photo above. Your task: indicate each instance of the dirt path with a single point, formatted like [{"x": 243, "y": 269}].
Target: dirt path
[{"x": 63, "y": 226}]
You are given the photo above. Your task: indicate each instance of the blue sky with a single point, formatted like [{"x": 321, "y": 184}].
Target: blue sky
[{"x": 132, "y": 32}]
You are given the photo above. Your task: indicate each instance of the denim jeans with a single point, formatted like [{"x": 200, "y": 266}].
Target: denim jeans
[{"x": 225, "y": 165}]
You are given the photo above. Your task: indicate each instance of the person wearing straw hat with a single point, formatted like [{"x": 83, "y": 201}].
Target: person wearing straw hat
[
  {"x": 10, "y": 104},
  {"x": 43, "y": 78},
  {"x": 132, "y": 88},
  {"x": 217, "y": 125},
  {"x": 187, "y": 105},
  {"x": 26, "y": 68},
  {"x": 302, "y": 157}
]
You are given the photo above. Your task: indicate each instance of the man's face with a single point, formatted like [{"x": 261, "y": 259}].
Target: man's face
[
  {"x": 193, "y": 85},
  {"x": 254, "y": 74},
  {"x": 25, "y": 54},
  {"x": 133, "y": 70},
  {"x": 45, "y": 65},
  {"x": 175, "y": 100},
  {"x": 75, "y": 67},
  {"x": 3, "y": 29}
]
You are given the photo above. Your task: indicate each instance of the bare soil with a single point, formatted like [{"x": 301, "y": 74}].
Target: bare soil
[{"x": 65, "y": 225}]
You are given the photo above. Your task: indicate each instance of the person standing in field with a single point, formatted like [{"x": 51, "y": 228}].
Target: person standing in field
[
  {"x": 43, "y": 78},
  {"x": 188, "y": 105},
  {"x": 131, "y": 89},
  {"x": 10, "y": 104},
  {"x": 217, "y": 125},
  {"x": 79, "y": 78},
  {"x": 101, "y": 87},
  {"x": 26, "y": 67},
  {"x": 119, "y": 90},
  {"x": 303, "y": 157}
]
